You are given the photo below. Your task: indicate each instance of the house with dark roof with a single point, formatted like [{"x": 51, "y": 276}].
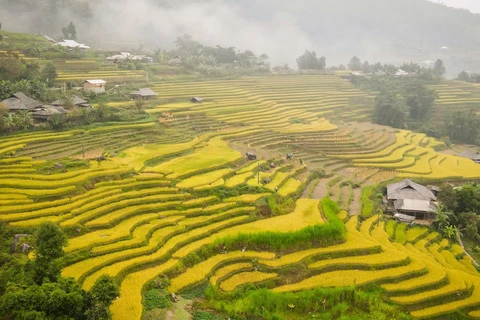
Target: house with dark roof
[
  {"x": 144, "y": 94},
  {"x": 45, "y": 112},
  {"x": 472, "y": 155},
  {"x": 72, "y": 100},
  {"x": 176, "y": 61},
  {"x": 196, "y": 100},
  {"x": 409, "y": 198},
  {"x": 19, "y": 101}
]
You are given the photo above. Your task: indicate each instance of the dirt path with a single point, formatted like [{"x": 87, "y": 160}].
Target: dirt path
[
  {"x": 179, "y": 311},
  {"x": 345, "y": 194},
  {"x": 321, "y": 190},
  {"x": 356, "y": 204}
]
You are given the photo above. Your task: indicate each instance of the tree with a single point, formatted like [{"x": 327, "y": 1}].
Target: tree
[
  {"x": 355, "y": 64},
  {"x": 390, "y": 109},
  {"x": 447, "y": 197},
  {"x": 49, "y": 242},
  {"x": 10, "y": 122},
  {"x": 105, "y": 290},
  {"x": 442, "y": 218},
  {"x": 464, "y": 76},
  {"x": 439, "y": 69},
  {"x": 310, "y": 61},
  {"x": 419, "y": 99},
  {"x": 70, "y": 32},
  {"x": 102, "y": 294},
  {"x": 25, "y": 119},
  {"x": 366, "y": 67},
  {"x": 49, "y": 74},
  {"x": 463, "y": 127}
]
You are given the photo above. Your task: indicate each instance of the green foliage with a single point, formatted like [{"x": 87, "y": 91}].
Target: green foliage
[
  {"x": 49, "y": 74},
  {"x": 367, "y": 203},
  {"x": 355, "y": 64},
  {"x": 202, "y": 315},
  {"x": 105, "y": 290},
  {"x": 463, "y": 127},
  {"x": 62, "y": 300},
  {"x": 155, "y": 298},
  {"x": 49, "y": 242},
  {"x": 317, "y": 235},
  {"x": 331, "y": 303},
  {"x": 419, "y": 99},
  {"x": 310, "y": 61},
  {"x": 70, "y": 31},
  {"x": 390, "y": 109}
]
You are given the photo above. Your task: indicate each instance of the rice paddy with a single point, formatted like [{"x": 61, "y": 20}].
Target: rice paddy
[{"x": 168, "y": 190}]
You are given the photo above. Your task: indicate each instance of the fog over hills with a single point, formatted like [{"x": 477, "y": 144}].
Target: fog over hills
[{"x": 376, "y": 30}]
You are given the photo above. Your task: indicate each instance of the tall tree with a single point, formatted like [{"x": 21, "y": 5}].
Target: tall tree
[
  {"x": 309, "y": 60},
  {"x": 355, "y": 64},
  {"x": 419, "y": 99},
  {"x": 70, "y": 31},
  {"x": 49, "y": 74},
  {"x": 366, "y": 67},
  {"x": 439, "y": 68},
  {"x": 390, "y": 109},
  {"x": 49, "y": 242}
]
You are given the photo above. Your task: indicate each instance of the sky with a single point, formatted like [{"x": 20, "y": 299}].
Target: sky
[{"x": 472, "y": 5}]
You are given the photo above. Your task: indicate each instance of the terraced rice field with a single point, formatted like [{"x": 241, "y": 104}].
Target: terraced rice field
[{"x": 172, "y": 187}]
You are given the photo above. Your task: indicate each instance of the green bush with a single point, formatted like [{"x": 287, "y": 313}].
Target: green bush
[
  {"x": 156, "y": 299},
  {"x": 202, "y": 315},
  {"x": 323, "y": 234}
]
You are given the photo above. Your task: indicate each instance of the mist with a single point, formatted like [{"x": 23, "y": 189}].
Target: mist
[{"x": 389, "y": 31}]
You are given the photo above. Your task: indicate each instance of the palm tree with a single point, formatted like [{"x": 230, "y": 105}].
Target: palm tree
[
  {"x": 10, "y": 122},
  {"x": 442, "y": 218},
  {"x": 25, "y": 119}
]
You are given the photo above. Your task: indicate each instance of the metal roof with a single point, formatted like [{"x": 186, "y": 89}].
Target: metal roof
[
  {"x": 72, "y": 44},
  {"x": 404, "y": 217},
  {"x": 412, "y": 205},
  {"x": 99, "y": 81},
  {"x": 407, "y": 189}
]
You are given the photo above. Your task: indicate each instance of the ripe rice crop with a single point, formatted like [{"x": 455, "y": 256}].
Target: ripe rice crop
[
  {"x": 231, "y": 268},
  {"x": 129, "y": 305},
  {"x": 238, "y": 179},
  {"x": 248, "y": 198},
  {"x": 201, "y": 271},
  {"x": 203, "y": 179},
  {"x": 215, "y": 153},
  {"x": 289, "y": 187},
  {"x": 245, "y": 277}
]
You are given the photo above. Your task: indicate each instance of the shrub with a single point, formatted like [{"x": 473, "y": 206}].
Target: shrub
[{"x": 156, "y": 299}]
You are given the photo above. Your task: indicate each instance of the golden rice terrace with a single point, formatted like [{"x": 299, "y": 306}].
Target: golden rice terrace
[{"x": 172, "y": 187}]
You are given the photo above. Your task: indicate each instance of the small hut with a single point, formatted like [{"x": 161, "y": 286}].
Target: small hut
[
  {"x": 196, "y": 100},
  {"x": 144, "y": 94},
  {"x": 19, "y": 101},
  {"x": 74, "y": 100}
]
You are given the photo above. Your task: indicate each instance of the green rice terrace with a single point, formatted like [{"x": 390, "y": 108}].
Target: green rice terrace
[{"x": 175, "y": 204}]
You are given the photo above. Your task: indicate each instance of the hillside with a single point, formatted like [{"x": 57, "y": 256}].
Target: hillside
[
  {"x": 165, "y": 209},
  {"x": 376, "y": 30}
]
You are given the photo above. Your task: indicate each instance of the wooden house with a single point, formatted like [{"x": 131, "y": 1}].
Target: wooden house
[
  {"x": 144, "y": 94},
  {"x": 410, "y": 198}
]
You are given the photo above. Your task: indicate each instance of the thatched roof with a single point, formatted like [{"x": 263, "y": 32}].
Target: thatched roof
[
  {"x": 14, "y": 104},
  {"x": 47, "y": 111},
  {"x": 144, "y": 92},
  {"x": 407, "y": 189},
  {"x": 19, "y": 101},
  {"x": 469, "y": 154},
  {"x": 76, "y": 101}
]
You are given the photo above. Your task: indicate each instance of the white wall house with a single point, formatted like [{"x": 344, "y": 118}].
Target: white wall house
[{"x": 97, "y": 86}]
